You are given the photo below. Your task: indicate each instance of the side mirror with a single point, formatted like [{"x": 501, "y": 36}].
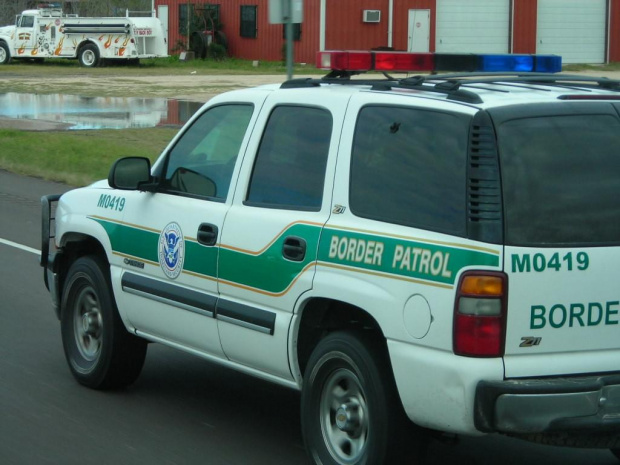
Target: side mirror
[{"x": 131, "y": 173}]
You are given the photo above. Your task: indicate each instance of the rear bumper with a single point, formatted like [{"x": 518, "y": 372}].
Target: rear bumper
[{"x": 549, "y": 405}]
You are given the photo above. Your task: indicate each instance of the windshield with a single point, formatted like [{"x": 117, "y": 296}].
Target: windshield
[{"x": 561, "y": 179}]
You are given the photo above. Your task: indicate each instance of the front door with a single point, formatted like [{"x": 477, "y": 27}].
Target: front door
[
  {"x": 170, "y": 239},
  {"x": 25, "y": 36},
  {"x": 419, "y": 31}
]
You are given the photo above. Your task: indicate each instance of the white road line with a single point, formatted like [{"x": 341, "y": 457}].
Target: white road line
[{"x": 19, "y": 246}]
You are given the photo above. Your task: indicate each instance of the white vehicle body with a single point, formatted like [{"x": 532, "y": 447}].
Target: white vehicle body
[
  {"x": 236, "y": 292},
  {"x": 48, "y": 33}
]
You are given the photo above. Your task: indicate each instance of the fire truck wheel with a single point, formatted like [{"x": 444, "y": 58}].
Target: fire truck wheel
[
  {"x": 89, "y": 56},
  {"x": 5, "y": 55}
]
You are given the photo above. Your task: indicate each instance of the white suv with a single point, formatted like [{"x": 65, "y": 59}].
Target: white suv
[{"x": 439, "y": 248}]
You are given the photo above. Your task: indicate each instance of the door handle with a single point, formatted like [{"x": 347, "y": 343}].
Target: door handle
[
  {"x": 207, "y": 234},
  {"x": 294, "y": 248}
]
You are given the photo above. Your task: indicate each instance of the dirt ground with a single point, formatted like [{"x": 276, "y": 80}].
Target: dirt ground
[{"x": 194, "y": 86}]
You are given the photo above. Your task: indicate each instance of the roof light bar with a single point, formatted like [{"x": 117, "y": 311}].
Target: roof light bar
[{"x": 342, "y": 60}]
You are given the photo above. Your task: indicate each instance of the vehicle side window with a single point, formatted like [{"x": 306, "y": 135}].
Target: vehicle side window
[
  {"x": 560, "y": 179},
  {"x": 408, "y": 167},
  {"x": 27, "y": 21},
  {"x": 289, "y": 171},
  {"x": 201, "y": 163}
]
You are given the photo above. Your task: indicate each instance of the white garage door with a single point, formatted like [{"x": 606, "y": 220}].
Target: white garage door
[
  {"x": 476, "y": 26},
  {"x": 574, "y": 29}
]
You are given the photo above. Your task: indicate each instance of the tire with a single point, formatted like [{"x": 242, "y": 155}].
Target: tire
[
  {"x": 5, "y": 54},
  {"x": 616, "y": 452},
  {"x": 350, "y": 410},
  {"x": 100, "y": 352},
  {"x": 89, "y": 56}
]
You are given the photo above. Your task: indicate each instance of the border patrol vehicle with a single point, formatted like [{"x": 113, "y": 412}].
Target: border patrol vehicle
[
  {"x": 417, "y": 255},
  {"x": 48, "y": 33}
]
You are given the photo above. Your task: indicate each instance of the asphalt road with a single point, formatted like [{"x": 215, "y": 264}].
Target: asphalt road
[{"x": 182, "y": 410}]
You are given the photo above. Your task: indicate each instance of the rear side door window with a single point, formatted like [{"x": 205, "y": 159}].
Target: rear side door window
[
  {"x": 289, "y": 171},
  {"x": 408, "y": 167}
]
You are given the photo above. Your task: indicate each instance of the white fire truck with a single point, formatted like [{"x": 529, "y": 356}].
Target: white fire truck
[{"x": 48, "y": 33}]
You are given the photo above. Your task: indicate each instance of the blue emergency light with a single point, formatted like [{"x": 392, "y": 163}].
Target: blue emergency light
[{"x": 341, "y": 60}]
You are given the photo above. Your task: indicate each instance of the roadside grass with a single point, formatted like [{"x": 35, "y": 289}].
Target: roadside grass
[
  {"x": 608, "y": 67},
  {"x": 77, "y": 158},
  {"x": 153, "y": 66}
]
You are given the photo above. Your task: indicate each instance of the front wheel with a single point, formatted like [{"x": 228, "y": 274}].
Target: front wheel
[
  {"x": 100, "y": 352},
  {"x": 350, "y": 409},
  {"x": 89, "y": 56},
  {"x": 5, "y": 54}
]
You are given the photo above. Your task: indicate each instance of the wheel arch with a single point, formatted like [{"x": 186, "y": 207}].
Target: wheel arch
[
  {"x": 85, "y": 42},
  {"x": 321, "y": 316},
  {"x": 75, "y": 245}
]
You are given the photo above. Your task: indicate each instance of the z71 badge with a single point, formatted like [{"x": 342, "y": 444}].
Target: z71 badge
[
  {"x": 530, "y": 341},
  {"x": 171, "y": 250}
]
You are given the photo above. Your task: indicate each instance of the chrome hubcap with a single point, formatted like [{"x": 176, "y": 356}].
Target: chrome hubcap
[
  {"x": 88, "y": 57},
  {"x": 88, "y": 324},
  {"x": 344, "y": 416}
]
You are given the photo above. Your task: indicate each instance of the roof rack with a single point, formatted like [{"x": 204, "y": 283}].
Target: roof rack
[{"x": 451, "y": 84}]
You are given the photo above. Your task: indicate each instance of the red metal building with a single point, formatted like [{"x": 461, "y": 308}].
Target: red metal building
[{"x": 581, "y": 31}]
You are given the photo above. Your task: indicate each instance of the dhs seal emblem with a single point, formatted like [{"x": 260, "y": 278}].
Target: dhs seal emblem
[{"x": 171, "y": 250}]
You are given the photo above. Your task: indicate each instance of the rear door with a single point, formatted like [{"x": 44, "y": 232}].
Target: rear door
[
  {"x": 561, "y": 184},
  {"x": 271, "y": 234}
]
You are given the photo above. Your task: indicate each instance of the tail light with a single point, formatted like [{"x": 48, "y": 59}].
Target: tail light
[{"x": 480, "y": 314}]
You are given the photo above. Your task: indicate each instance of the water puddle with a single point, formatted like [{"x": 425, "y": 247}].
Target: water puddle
[{"x": 97, "y": 112}]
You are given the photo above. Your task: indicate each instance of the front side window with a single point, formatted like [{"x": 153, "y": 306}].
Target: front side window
[
  {"x": 561, "y": 179},
  {"x": 289, "y": 171},
  {"x": 408, "y": 167},
  {"x": 27, "y": 21},
  {"x": 248, "y": 21},
  {"x": 201, "y": 163}
]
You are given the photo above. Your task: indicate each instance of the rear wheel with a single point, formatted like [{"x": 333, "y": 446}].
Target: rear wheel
[
  {"x": 5, "y": 54},
  {"x": 100, "y": 352},
  {"x": 89, "y": 56},
  {"x": 350, "y": 409}
]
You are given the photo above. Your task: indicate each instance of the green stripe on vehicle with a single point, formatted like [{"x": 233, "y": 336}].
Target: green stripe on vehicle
[{"x": 400, "y": 256}]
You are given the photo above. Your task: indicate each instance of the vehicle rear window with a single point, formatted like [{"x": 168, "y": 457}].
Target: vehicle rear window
[
  {"x": 561, "y": 180},
  {"x": 408, "y": 167}
]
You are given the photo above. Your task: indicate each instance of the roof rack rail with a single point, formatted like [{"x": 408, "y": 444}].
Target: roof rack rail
[
  {"x": 451, "y": 84},
  {"x": 387, "y": 84},
  {"x": 532, "y": 78}
]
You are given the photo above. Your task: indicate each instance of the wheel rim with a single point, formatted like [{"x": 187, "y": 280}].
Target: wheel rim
[
  {"x": 3, "y": 55},
  {"x": 344, "y": 416},
  {"x": 88, "y": 324},
  {"x": 88, "y": 57}
]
